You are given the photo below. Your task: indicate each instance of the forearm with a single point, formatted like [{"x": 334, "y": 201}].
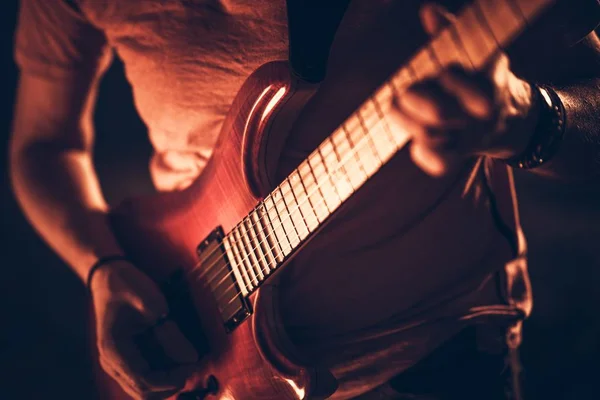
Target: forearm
[
  {"x": 60, "y": 195},
  {"x": 579, "y": 155}
]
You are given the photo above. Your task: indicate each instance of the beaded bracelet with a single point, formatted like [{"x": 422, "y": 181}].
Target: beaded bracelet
[
  {"x": 102, "y": 261},
  {"x": 548, "y": 134}
]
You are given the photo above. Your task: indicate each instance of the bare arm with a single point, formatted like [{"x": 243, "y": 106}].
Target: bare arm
[
  {"x": 55, "y": 183},
  {"x": 52, "y": 172}
]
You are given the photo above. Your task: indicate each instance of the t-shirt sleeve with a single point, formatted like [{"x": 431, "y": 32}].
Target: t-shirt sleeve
[{"x": 53, "y": 39}]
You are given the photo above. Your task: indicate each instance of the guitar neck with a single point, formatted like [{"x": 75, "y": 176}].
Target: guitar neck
[{"x": 363, "y": 143}]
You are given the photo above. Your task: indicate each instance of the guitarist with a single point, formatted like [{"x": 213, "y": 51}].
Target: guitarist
[{"x": 398, "y": 327}]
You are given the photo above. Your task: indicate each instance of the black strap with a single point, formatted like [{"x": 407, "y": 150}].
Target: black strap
[{"x": 311, "y": 28}]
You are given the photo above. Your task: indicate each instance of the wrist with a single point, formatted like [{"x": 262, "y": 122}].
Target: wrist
[
  {"x": 547, "y": 134},
  {"x": 527, "y": 126},
  {"x": 101, "y": 272},
  {"x": 518, "y": 124}
]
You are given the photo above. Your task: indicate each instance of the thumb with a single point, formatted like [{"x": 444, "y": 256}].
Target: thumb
[
  {"x": 152, "y": 307},
  {"x": 435, "y": 17}
]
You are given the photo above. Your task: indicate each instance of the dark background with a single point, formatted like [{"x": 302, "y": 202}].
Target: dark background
[{"x": 43, "y": 306}]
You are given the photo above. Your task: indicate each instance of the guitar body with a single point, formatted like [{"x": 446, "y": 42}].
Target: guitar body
[{"x": 162, "y": 233}]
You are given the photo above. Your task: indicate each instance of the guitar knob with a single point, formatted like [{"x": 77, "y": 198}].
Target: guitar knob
[{"x": 211, "y": 387}]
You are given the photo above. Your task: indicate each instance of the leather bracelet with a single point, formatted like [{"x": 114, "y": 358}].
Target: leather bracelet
[
  {"x": 103, "y": 261},
  {"x": 548, "y": 134}
]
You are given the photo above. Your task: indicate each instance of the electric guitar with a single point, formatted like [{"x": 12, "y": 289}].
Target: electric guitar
[{"x": 213, "y": 245}]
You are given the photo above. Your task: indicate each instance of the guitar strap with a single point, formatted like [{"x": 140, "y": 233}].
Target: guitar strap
[{"x": 312, "y": 25}]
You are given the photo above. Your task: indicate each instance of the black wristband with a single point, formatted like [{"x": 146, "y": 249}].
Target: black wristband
[
  {"x": 549, "y": 131},
  {"x": 102, "y": 261}
]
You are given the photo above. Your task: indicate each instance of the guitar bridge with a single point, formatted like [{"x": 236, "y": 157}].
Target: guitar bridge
[{"x": 233, "y": 305}]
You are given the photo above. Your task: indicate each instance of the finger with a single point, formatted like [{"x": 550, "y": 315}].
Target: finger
[
  {"x": 497, "y": 69},
  {"x": 124, "y": 382},
  {"x": 474, "y": 93},
  {"x": 437, "y": 138},
  {"x": 176, "y": 346},
  {"x": 432, "y": 162},
  {"x": 434, "y": 17},
  {"x": 431, "y": 105},
  {"x": 152, "y": 308}
]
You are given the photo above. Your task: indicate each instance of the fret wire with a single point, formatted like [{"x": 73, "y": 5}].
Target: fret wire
[
  {"x": 321, "y": 179},
  {"x": 250, "y": 251},
  {"x": 330, "y": 178},
  {"x": 409, "y": 68},
  {"x": 272, "y": 233},
  {"x": 385, "y": 123},
  {"x": 501, "y": 19},
  {"x": 245, "y": 257},
  {"x": 318, "y": 186},
  {"x": 483, "y": 20},
  {"x": 299, "y": 208},
  {"x": 342, "y": 169},
  {"x": 441, "y": 45},
  {"x": 473, "y": 37},
  {"x": 420, "y": 65},
  {"x": 308, "y": 181},
  {"x": 291, "y": 219},
  {"x": 458, "y": 41},
  {"x": 281, "y": 225},
  {"x": 341, "y": 136},
  {"x": 356, "y": 155},
  {"x": 239, "y": 261},
  {"x": 291, "y": 190},
  {"x": 260, "y": 258},
  {"x": 532, "y": 8},
  {"x": 234, "y": 267},
  {"x": 517, "y": 10},
  {"x": 434, "y": 57},
  {"x": 312, "y": 207},
  {"x": 262, "y": 240},
  {"x": 370, "y": 139},
  {"x": 403, "y": 79},
  {"x": 385, "y": 93}
]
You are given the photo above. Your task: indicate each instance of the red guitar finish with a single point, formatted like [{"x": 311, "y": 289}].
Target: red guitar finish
[{"x": 162, "y": 233}]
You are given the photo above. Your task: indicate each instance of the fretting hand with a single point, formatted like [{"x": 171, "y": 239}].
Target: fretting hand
[{"x": 461, "y": 114}]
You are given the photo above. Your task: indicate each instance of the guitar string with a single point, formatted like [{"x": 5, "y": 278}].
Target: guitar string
[{"x": 362, "y": 142}]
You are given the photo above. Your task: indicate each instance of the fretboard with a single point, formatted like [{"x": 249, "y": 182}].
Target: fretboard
[{"x": 359, "y": 147}]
